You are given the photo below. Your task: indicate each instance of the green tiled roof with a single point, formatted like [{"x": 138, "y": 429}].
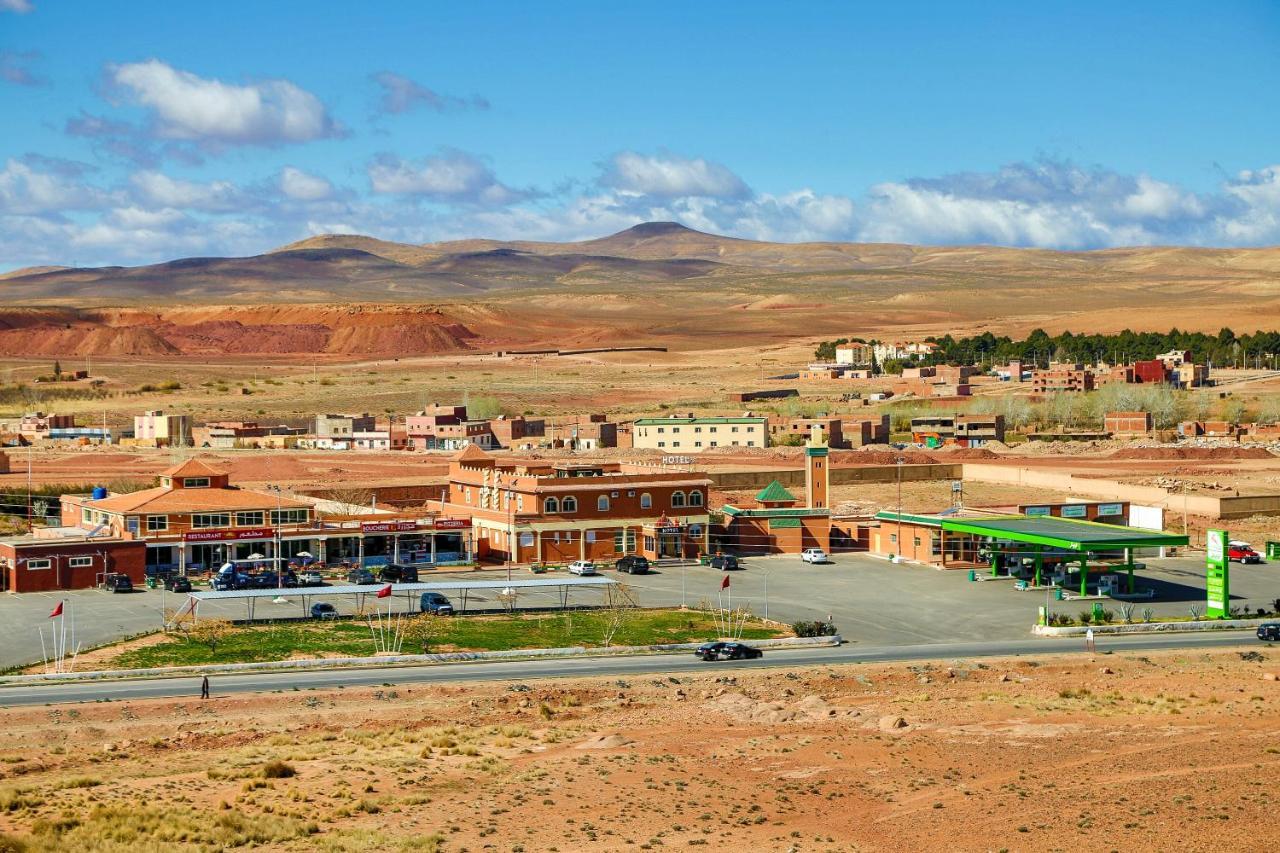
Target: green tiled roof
[
  {"x": 775, "y": 491},
  {"x": 697, "y": 421},
  {"x": 776, "y": 523}
]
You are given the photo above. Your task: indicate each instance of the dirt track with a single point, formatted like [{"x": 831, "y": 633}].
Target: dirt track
[{"x": 1116, "y": 752}]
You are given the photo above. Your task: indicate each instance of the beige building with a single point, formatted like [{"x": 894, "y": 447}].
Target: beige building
[
  {"x": 156, "y": 429},
  {"x": 688, "y": 434}
]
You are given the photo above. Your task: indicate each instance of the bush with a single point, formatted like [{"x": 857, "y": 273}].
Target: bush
[
  {"x": 1086, "y": 617},
  {"x": 278, "y": 770},
  {"x": 816, "y": 628}
]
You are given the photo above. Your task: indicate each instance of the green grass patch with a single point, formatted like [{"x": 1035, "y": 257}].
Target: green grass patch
[{"x": 459, "y": 633}]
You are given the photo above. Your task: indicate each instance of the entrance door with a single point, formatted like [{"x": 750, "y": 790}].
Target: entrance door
[{"x": 669, "y": 543}]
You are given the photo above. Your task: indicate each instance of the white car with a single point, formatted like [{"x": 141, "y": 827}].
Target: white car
[
  {"x": 582, "y": 567},
  {"x": 813, "y": 555},
  {"x": 310, "y": 578}
]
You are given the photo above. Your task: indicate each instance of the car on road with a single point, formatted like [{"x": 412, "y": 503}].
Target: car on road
[
  {"x": 1269, "y": 631},
  {"x": 435, "y": 604},
  {"x": 725, "y": 563},
  {"x": 224, "y": 581},
  {"x": 727, "y": 651},
  {"x": 177, "y": 583},
  {"x": 1242, "y": 552},
  {"x": 396, "y": 573},
  {"x": 323, "y": 610},
  {"x": 310, "y": 578},
  {"x": 582, "y": 567},
  {"x": 813, "y": 555},
  {"x": 361, "y": 577},
  {"x": 633, "y": 564},
  {"x": 118, "y": 583}
]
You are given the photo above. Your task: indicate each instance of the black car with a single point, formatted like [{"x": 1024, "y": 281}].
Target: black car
[
  {"x": 177, "y": 583},
  {"x": 725, "y": 563},
  {"x": 727, "y": 651},
  {"x": 323, "y": 610},
  {"x": 118, "y": 583},
  {"x": 435, "y": 603},
  {"x": 633, "y": 564},
  {"x": 361, "y": 576},
  {"x": 396, "y": 573},
  {"x": 1269, "y": 631}
]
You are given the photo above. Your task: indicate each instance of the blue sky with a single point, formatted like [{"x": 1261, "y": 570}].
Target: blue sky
[{"x": 140, "y": 131}]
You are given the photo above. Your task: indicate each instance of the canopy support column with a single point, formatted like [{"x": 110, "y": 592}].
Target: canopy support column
[
  {"x": 1084, "y": 574},
  {"x": 995, "y": 558},
  {"x": 1128, "y": 560},
  {"x": 1039, "y": 562}
]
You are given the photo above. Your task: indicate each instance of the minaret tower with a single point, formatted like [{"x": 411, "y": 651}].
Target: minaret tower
[{"x": 817, "y": 479}]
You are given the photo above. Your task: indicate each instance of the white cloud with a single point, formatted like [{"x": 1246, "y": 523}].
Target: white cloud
[
  {"x": 161, "y": 189},
  {"x": 304, "y": 186},
  {"x": 21, "y": 7},
  {"x": 453, "y": 176},
  {"x": 188, "y": 107},
  {"x": 30, "y": 191},
  {"x": 671, "y": 176},
  {"x": 400, "y": 95}
]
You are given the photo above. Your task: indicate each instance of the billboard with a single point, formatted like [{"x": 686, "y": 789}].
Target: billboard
[{"x": 1217, "y": 581}]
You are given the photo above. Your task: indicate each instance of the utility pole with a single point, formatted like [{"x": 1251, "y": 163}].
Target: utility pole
[{"x": 900, "y": 460}]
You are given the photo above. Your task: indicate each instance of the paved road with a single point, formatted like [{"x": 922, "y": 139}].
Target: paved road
[
  {"x": 870, "y": 600},
  {"x": 584, "y": 667}
]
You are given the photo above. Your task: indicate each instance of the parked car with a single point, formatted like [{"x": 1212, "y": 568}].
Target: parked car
[
  {"x": 323, "y": 610},
  {"x": 118, "y": 583},
  {"x": 1269, "y": 631},
  {"x": 727, "y": 651},
  {"x": 436, "y": 604},
  {"x": 725, "y": 563},
  {"x": 633, "y": 564},
  {"x": 177, "y": 583},
  {"x": 1242, "y": 552},
  {"x": 361, "y": 576},
  {"x": 310, "y": 578},
  {"x": 813, "y": 555},
  {"x": 396, "y": 573},
  {"x": 582, "y": 567},
  {"x": 223, "y": 581}
]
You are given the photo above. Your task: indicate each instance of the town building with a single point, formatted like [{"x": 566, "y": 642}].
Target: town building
[
  {"x": 778, "y": 523},
  {"x": 390, "y": 438},
  {"x": 195, "y": 520},
  {"x": 35, "y": 426},
  {"x": 854, "y": 353},
  {"x": 343, "y": 427},
  {"x": 1127, "y": 424},
  {"x": 915, "y": 349},
  {"x": 795, "y": 430},
  {"x": 157, "y": 429},
  {"x": 52, "y": 559},
  {"x": 550, "y": 512},
  {"x": 689, "y": 434},
  {"x": 862, "y": 430},
  {"x": 422, "y": 427},
  {"x": 232, "y": 434},
  {"x": 960, "y": 430},
  {"x": 593, "y": 433},
  {"x": 1062, "y": 379},
  {"x": 516, "y": 431}
]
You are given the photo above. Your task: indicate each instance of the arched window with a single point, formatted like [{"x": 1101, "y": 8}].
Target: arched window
[
  {"x": 602, "y": 503},
  {"x": 695, "y": 498},
  {"x": 646, "y": 501},
  {"x": 569, "y": 504},
  {"x": 677, "y": 498},
  {"x": 551, "y": 505}
]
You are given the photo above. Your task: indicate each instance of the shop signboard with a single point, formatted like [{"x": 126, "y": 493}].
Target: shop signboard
[
  {"x": 227, "y": 535},
  {"x": 1217, "y": 581}
]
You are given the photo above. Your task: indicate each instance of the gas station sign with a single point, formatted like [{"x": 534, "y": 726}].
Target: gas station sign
[{"x": 1217, "y": 581}]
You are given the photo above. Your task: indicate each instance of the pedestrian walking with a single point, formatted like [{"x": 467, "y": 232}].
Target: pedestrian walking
[
  {"x": 204, "y": 687},
  {"x": 1088, "y": 642}
]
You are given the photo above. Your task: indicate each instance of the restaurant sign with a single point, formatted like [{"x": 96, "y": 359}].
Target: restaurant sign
[{"x": 227, "y": 535}]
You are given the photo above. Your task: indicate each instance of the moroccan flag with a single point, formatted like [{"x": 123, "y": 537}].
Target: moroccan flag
[
  {"x": 57, "y": 611},
  {"x": 385, "y": 592},
  {"x": 724, "y": 584}
]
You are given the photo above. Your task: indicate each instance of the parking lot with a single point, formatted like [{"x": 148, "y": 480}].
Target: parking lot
[{"x": 870, "y": 600}]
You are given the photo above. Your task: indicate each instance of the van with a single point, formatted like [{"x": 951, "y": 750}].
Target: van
[{"x": 117, "y": 583}]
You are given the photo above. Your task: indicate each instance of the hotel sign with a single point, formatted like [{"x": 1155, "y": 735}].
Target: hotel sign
[
  {"x": 387, "y": 526},
  {"x": 677, "y": 460},
  {"x": 227, "y": 535}
]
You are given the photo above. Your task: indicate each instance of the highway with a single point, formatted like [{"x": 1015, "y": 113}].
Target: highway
[{"x": 587, "y": 667}]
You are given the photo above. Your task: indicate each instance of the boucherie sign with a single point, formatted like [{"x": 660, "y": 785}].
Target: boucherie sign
[
  {"x": 227, "y": 535},
  {"x": 387, "y": 526}
]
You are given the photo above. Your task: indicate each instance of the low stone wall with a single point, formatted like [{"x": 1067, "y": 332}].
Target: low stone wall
[{"x": 1147, "y": 627}]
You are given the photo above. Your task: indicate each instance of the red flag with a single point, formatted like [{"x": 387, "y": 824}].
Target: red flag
[
  {"x": 385, "y": 592},
  {"x": 57, "y": 611},
  {"x": 724, "y": 584}
]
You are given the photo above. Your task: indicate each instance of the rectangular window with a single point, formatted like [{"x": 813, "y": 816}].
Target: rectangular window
[
  {"x": 697, "y": 429},
  {"x": 619, "y": 540},
  {"x": 211, "y": 519},
  {"x": 713, "y": 429},
  {"x": 662, "y": 429},
  {"x": 714, "y": 443},
  {"x": 250, "y": 519},
  {"x": 893, "y": 537},
  {"x": 37, "y": 565},
  {"x": 289, "y": 516},
  {"x": 195, "y": 482},
  {"x": 662, "y": 444},
  {"x": 697, "y": 444},
  {"x": 675, "y": 444},
  {"x": 80, "y": 562},
  {"x": 87, "y": 515},
  {"x": 751, "y": 444},
  {"x": 156, "y": 523},
  {"x": 733, "y": 429},
  {"x": 648, "y": 544}
]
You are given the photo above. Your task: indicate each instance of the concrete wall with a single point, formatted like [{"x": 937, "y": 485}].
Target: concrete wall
[{"x": 789, "y": 477}]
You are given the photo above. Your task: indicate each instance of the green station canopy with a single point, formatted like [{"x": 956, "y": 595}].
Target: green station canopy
[{"x": 1066, "y": 533}]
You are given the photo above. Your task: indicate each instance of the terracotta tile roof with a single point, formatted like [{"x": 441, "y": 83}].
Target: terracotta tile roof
[
  {"x": 161, "y": 499},
  {"x": 192, "y": 468},
  {"x": 471, "y": 453}
]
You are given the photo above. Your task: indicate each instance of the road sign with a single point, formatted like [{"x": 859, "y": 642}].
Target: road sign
[{"x": 1217, "y": 580}]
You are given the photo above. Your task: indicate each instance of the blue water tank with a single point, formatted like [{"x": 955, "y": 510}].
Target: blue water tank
[{"x": 99, "y": 493}]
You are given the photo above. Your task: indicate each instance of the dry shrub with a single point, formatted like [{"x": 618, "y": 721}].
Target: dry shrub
[
  {"x": 114, "y": 829},
  {"x": 278, "y": 770}
]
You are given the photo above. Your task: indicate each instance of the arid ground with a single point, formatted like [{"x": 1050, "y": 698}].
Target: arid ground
[{"x": 1098, "y": 752}]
